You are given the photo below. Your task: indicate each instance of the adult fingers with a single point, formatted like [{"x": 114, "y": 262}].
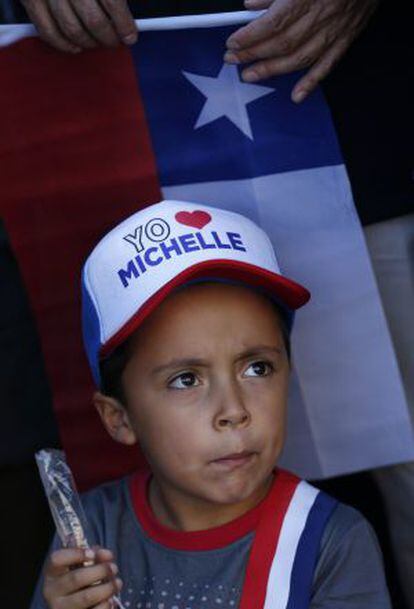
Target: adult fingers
[
  {"x": 307, "y": 54},
  {"x": 257, "y": 5},
  {"x": 319, "y": 70},
  {"x": 122, "y": 20},
  {"x": 70, "y": 24},
  {"x": 286, "y": 43},
  {"x": 96, "y": 21},
  {"x": 48, "y": 30},
  {"x": 281, "y": 14}
]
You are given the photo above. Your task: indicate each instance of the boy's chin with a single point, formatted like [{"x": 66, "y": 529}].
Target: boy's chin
[{"x": 238, "y": 490}]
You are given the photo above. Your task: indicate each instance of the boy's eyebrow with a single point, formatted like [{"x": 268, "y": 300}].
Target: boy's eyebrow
[
  {"x": 178, "y": 363},
  {"x": 193, "y": 361},
  {"x": 256, "y": 350}
]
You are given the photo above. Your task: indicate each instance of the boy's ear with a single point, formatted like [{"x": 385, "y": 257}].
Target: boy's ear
[{"x": 115, "y": 418}]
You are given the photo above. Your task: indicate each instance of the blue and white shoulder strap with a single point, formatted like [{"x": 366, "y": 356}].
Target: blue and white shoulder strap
[{"x": 284, "y": 553}]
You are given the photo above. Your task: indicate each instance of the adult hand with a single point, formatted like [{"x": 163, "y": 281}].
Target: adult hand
[
  {"x": 296, "y": 34},
  {"x": 74, "y": 25}
]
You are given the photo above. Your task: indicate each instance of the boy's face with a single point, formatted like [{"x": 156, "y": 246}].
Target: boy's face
[{"x": 206, "y": 389}]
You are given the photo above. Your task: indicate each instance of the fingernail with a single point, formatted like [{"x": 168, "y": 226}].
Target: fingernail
[
  {"x": 298, "y": 96},
  {"x": 232, "y": 45},
  {"x": 113, "y": 568},
  {"x": 118, "y": 583},
  {"x": 250, "y": 76},
  {"x": 230, "y": 57},
  {"x": 130, "y": 39}
]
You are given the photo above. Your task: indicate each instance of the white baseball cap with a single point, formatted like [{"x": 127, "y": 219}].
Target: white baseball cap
[{"x": 164, "y": 246}]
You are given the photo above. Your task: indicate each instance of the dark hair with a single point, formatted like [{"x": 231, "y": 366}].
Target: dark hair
[
  {"x": 285, "y": 322},
  {"x": 112, "y": 367}
]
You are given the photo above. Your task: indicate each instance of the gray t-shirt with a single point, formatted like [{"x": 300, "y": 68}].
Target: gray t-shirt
[{"x": 165, "y": 569}]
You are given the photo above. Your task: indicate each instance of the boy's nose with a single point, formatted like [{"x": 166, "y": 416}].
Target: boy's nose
[
  {"x": 232, "y": 411},
  {"x": 233, "y": 420}
]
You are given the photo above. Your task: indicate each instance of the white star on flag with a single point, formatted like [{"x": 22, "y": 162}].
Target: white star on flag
[{"x": 226, "y": 95}]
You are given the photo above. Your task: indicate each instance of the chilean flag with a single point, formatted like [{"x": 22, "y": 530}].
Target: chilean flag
[{"x": 87, "y": 140}]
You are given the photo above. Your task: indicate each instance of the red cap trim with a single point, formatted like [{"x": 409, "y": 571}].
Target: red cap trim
[{"x": 292, "y": 294}]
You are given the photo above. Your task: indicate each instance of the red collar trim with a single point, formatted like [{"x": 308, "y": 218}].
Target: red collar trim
[{"x": 208, "y": 539}]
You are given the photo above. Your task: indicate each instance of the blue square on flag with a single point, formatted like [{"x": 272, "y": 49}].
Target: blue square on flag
[{"x": 211, "y": 125}]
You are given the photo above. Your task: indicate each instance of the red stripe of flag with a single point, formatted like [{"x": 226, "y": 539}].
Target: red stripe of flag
[{"x": 75, "y": 158}]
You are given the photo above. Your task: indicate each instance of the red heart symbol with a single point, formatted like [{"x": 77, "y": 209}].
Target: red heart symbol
[{"x": 196, "y": 219}]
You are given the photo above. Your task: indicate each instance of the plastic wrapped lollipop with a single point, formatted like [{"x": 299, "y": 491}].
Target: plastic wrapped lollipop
[{"x": 64, "y": 502}]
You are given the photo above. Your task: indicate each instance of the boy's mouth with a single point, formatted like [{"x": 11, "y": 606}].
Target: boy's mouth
[{"x": 234, "y": 460}]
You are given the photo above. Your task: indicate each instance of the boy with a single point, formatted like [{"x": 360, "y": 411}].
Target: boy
[{"x": 186, "y": 325}]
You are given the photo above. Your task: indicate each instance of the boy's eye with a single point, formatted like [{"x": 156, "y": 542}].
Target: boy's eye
[
  {"x": 184, "y": 381},
  {"x": 259, "y": 369}
]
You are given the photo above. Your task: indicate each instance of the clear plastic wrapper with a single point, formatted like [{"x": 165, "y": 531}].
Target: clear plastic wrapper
[{"x": 64, "y": 502}]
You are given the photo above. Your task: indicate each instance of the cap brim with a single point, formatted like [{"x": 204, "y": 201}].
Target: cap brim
[{"x": 288, "y": 292}]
